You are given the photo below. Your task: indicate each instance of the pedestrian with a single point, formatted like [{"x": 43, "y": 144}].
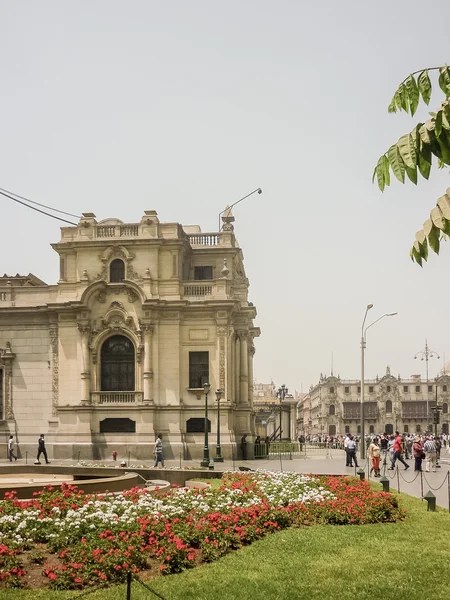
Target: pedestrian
[
  {"x": 351, "y": 451},
  {"x": 374, "y": 453},
  {"x": 267, "y": 444},
  {"x": 11, "y": 454},
  {"x": 347, "y": 458},
  {"x": 158, "y": 451},
  {"x": 41, "y": 450},
  {"x": 438, "y": 443},
  {"x": 418, "y": 454},
  {"x": 398, "y": 447},
  {"x": 244, "y": 446},
  {"x": 430, "y": 454}
]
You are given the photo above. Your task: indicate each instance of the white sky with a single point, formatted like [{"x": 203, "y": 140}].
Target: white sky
[{"x": 184, "y": 106}]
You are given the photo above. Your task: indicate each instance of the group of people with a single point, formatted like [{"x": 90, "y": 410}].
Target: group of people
[
  {"x": 397, "y": 448},
  {"x": 41, "y": 450}
]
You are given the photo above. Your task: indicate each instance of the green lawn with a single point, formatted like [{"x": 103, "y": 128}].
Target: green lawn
[{"x": 401, "y": 561}]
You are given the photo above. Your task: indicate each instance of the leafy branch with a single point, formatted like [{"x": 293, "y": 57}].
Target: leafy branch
[{"x": 413, "y": 153}]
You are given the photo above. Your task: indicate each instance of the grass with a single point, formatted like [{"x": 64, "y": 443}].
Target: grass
[{"x": 398, "y": 560}]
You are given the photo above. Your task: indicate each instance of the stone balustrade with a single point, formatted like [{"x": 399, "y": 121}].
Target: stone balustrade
[{"x": 116, "y": 397}]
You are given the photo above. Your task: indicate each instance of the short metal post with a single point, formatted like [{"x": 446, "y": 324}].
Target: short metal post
[
  {"x": 431, "y": 499},
  {"x": 448, "y": 489},
  {"x": 385, "y": 483},
  {"x": 78, "y": 456},
  {"x": 281, "y": 462},
  {"x": 26, "y": 457},
  {"x": 361, "y": 473},
  {"x": 129, "y": 459},
  {"x": 421, "y": 486},
  {"x": 398, "y": 480},
  {"x": 180, "y": 460},
  {"x": 129, "y": 585}
]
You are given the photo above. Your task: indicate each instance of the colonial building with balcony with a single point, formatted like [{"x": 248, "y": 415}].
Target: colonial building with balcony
[
  {"x": 390, "y": 404},
  {"x": 143, "y": 315}
]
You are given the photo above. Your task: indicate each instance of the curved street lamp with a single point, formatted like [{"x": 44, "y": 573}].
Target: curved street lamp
[
  {"x": 363, "y": 346},
  {"x": 281, "y": 395}
]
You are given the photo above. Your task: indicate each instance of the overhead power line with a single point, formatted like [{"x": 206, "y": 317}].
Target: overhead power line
[
  {"x": 38, "y": 204},
  {"x": 37, "y": 209}
]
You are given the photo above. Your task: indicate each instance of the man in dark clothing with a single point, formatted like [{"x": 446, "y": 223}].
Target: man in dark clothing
[
  {"x": 42, "y": 450},
  {"x": 244, "y": 446}
]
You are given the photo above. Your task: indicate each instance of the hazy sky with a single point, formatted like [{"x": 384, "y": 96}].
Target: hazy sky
[{"x": 116, "y": 107}]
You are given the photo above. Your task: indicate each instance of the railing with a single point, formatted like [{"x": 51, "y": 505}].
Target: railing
[
  {"x": 204, "y": 239},
  {"x": 116, "y": 397},
  {"x": 197, "y": 291},
  {"x": 108, "y": 231},
  {"x": 416, "y": 415}
]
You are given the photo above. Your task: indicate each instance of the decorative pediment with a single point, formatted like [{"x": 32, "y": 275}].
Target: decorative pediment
[
  {"x": 116, "y": 252},
  {"x": 116, "y": 317}
]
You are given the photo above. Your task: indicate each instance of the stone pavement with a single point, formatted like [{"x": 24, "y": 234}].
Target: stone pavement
[{"x": 409, "y": 482}]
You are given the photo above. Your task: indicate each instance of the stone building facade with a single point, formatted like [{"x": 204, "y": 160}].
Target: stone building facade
[
  {"x": 390, "y": 404},
  {"x": 119, "y": 349}
]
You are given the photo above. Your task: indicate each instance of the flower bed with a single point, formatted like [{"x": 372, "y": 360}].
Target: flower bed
[{"x": 95, "y": 540}]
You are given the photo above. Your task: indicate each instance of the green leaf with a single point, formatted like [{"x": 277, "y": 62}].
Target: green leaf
[
  {"x": 413, "y": 94},
  {"x": 412, "y": 174},
  {"x": 415, "y": 254},
  {"x": 446, "y": 115},
  {"x": 424, "y": 85},
  {"x": 387, "y": 175},
  {"x": 379, "y": 170},
  {"x": 397, "y": 164},
  {"x": 404, "y": 97},
  {"x": 424, "y": 161},
  {"x": 423, "y": 249},
  {"x": 433, "y": 239},
  {"x": 407, "y": 150},
  {"x": 438, "y": 123},
  {"x": 444, "y": 145},
  {"x": 444, "y": 80}
]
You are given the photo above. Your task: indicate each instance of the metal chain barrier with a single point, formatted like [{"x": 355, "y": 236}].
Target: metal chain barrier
[
  {"x": 148, "y": 587},
  {"x": 428, "y": 483},
  {"x": 412, "y": 480},
  {"x": 87, "y": 592}
]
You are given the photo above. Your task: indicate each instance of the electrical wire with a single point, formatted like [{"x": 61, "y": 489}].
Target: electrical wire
[
  {"x": 37, "y": 209},
  {"x": 38, "y": 204}
]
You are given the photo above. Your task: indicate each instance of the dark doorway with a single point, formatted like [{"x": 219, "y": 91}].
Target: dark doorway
[
  {"x": 117, "y": 364},
  {"x": 389, "y": 429}
]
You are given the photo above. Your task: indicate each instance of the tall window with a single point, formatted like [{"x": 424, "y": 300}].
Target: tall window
[
  {"x": 406, "y": 428},
  {"x": 405, "y": 388},
  {"x": 445, "y": 408},
  {"x": 389, "y": 428},
  {"x": 388, "y": 406},
  {"x": 417, "y": 428},
  {"x": 347, "y": 389},
  {"x": 430, "y": 388},
  {"x": 331, "y": 390},
  {"x": 117, "y": 364},
  {"x": 388, "y": 388},
  {"x": 332, "y": 430},
  {"x": 332, "y": 410},
  {"x": 370, "y": 389},
  {"x": 371, "y": 429},
  {"x": 116, "y": 270},
  {"x": 198, "y": 369},
  {"x": 201, "y": 273},
  {"x": 417, "y": 388},
  {"x": 444, "y": 388},
  {"x": 347, "y": 429}
]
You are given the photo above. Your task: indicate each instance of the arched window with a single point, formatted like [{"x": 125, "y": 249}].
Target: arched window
[
  {"x": 445, "y": 408},
  {"x": 388, "y": 406},
  {"x": 116, "y": 270},
  {"x": 332, "y": 410},
  {"x": 331, "y": 429},
  {"x": 117, "y": 364}
]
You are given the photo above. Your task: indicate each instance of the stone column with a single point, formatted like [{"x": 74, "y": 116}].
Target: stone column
[
  {"x": 250, "y": 374},
  {"x": 85, "y": 374},
  {"x": 244, "y": 368},
  {"x": 148, "y": 373},
  {"x": 237, "y": 369}
]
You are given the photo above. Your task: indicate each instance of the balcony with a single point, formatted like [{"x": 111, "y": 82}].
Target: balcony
[
  {"x": 217, "y": 289},
  {"x": 117, "y": 231},
  {"x": 116, "y": 398}
]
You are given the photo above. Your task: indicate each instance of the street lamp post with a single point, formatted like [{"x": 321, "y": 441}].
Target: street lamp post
[
  {"x": 425, "y": 355},
  {"x": 218, "y": 457},
  {"x": 281, "y": 395},
  {"x": 205, "y": 461},
  {"x": 363, "y": 346}
]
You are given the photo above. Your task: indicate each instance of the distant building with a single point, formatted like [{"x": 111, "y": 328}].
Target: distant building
[
  {"x": 274, "y": 418},
  {"x": 390, "y": 404},
  {"x": 119, "y": 349}
]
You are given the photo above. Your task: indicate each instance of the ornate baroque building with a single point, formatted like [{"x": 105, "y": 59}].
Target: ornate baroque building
[
  {"x": 391, "y": 404},
  {"x": 119, "y": 349}
]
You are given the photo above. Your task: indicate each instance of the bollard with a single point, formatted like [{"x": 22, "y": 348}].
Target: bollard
[
  {"x": 129, "y": 585},
  {"x": 211, "y": 465},
  {"x": 361, "y": 473},
  {"x": 26, "y": 457},
  {"x": 431, "y": 499},
  {"x": 385, "y": 483}
]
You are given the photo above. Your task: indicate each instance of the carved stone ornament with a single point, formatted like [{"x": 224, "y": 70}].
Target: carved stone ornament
[
  {"x": 54, "y": 345},
  {"x": 6, "y": 358},
  {"x": 102, "y": 275}
]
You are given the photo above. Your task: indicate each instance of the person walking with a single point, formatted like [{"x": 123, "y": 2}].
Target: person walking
[
  {"x": 347, "y": 457},
  {"x": 158, "y": 452},
  {"x": 244, "y": 446},
  {"x": 418, "y": 454},
  {"x": 430, "y": 454},
  {"x": 41, "y": 450},
  {"x": 374, "y": 453},
  {"x": 351, "y": 452},
  {"x": 11, "y": 454},
  {"x": 398, "y": 447}
]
